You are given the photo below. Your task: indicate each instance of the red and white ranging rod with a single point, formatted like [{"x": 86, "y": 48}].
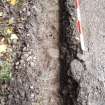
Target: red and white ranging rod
[{"x": 79, "y": 25}]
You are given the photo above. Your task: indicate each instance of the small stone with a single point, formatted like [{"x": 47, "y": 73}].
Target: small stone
[
  {"x": 12, "y": 79},
  {"x": 1, "y": 14},
  {"x": 32, "y": 64},
  {"x": 25, "y": 49},
  {"x": 29, "y": 58},
  {"x": 24, "y": 9},
  {"x": 31, "y": 87},
  {"x": 17, "y": 63},
  {"x": 28, "y": 34},
  {"x": 3, "y": 48},
  {"x": 35, "y": 58},
  {"x": 28, "y": 13},
  {"x": 32, "y": 95},
  {"x": 11, "y": 20},
  {"x": 13, "y": 36},
  {"x": 16, "y": 67},
  {"x": 26, "y": 55}
]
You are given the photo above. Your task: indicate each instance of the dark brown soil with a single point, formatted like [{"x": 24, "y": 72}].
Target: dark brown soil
[{"x": 69, "y": 47}]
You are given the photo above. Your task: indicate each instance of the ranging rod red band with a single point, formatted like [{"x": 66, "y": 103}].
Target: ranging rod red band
[
  {"x": 77, "y": 3},
  {"x": 78, "y": 26}
]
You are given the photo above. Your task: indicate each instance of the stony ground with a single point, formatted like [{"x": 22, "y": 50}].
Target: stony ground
[
  {"x": 35, "y": 76},
  {"x": 92, "y": 79},
  {"x": 50, "y": 68}
]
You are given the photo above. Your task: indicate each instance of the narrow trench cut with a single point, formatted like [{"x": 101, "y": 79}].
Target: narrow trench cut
[
  {"x": 69, "y": 87},
  {"x": 42, "y": 70}
]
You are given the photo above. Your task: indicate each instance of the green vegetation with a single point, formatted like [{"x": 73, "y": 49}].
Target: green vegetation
[
  {"x": 5, "y": 71},
  {"x": 8, "y": 37}
]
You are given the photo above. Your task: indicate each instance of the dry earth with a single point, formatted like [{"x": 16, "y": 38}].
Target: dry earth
[
  {"x": 92, "y": 78},
  {"x": 35, "y": 76},
  {"x": 50, "y": 68}
]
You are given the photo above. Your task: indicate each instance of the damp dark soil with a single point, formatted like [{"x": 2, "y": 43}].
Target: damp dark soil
[{"x": 69, "y": 47}]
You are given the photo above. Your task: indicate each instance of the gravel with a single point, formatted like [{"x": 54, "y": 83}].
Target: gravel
[
  {"x": 50, "y": 68},
  {"x": 37, "y": 56},
  {"x": 92, "y": 81}
]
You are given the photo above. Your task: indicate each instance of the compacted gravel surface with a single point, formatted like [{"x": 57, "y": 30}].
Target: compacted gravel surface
[
  {"x": 35, "y": 75},
  {"x": 92, "y": 83}
]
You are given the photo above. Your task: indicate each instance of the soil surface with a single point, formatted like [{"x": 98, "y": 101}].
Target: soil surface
[
  {"x": 92, "y": 82},
  {"x": 35, "y": 76},
  {"x": 50, "y": 68}
]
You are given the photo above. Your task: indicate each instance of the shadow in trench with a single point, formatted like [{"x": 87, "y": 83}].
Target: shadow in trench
[{"x": 69, "y": 87}]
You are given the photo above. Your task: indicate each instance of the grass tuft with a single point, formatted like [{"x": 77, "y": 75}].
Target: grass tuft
[{"x": 5, "y": 71}]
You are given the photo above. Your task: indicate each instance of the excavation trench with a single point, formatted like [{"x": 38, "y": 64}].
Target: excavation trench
[
  {"x": 69, "y": 47},
  {"x": 40, "y": 76}
]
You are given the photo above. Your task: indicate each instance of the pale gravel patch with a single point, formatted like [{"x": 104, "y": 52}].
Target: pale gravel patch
[{"x": 94, "y": 77}]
